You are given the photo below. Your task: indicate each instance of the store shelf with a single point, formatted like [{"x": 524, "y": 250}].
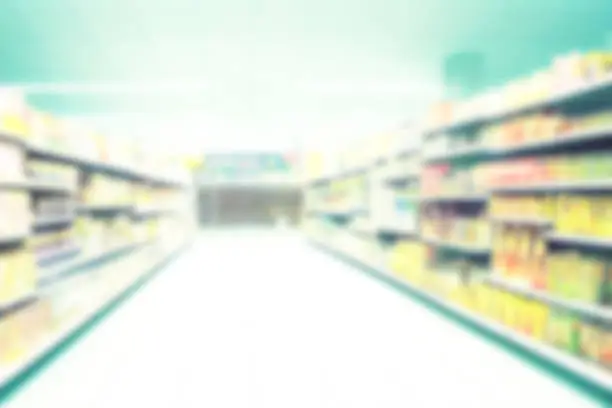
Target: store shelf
[
  {"x": 457, "y": 198},
  {"x": 402, "y": 178},
  {"x": 560, "y": 142},
  {"x": 349, "y": 212},
  {"x": 16, "y": 303},
  {"x": 53, "y": 221},
  {"x": 398, "y": 229},
  {"x": 578, "y": 185},
  {"x": 405, "y": 152},
  {"x": 582, "y": 91},
  {"x": 6, "y": 136},
  {"x": 577, "y": 370},
  {"x": 13, "y": 239},
  {"x": 519, "y": 220},
  {"x": 588, "y": 98},
  {"x": 561, "y": 98},
  {"x": 342, "y": 174},
  {"x": 460, "y": 124},
  {"x": 454, "y": 246},
  {"x": 104, "y": 208},
  {"x": 36, "y": 186},
  {"x": 55, "y": 273},
  {"x": 55, "y": 340},
  {"x": 42, "y": 187},
  {"x": 363, "y": 232},
  {"x": 521, "y": 288},
  {"x": 458, "y": 153},
  {"x": 251, "y": 184},
  {"x": 604, "y": 243},
  {"x": 57, "y": 256},
  {"x": 595, "y": 375},
  {"x": 90, "y": 165},
  {"x": 152, "y": 211}
]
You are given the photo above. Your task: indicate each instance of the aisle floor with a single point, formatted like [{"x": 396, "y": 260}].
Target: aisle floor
[{"x": 262, "y": 320}]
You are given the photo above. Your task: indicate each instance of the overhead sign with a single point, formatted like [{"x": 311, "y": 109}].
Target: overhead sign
[{"x": 246, "y": 165}]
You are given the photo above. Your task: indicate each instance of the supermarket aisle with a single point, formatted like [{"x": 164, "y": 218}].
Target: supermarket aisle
[{"x": 263, "y": 320}]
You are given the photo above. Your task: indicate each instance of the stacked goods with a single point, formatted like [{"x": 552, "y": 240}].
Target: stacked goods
[
  {"x": 542, "y": 207},
  {"x": 449, "y": 180},
  {"x": 53, "y": 173},
  {"x": 53, "y": 244},
  {"x": 407, "y": 260},
  {"x": 13, "y": 113},
  {"x": 442, "y": 144},
  {"x": 584, "y": 215},
  {"x": 12, "y": 159},
  {"x": 585, "y": 337},
  {"x": 102, "y": 234},
  {"x": 519, "y": 253},
  {"x": 452, "y": 279},
  {"x": 143, "y": 196},
  {"x": 571, "y": 168},
  {"x": 346, "y": 194},
  {"x": 580, "y": 276},
  {"x": 433, "y": 179},
  {"x": 575, "y": 70},
  {"x": 514, "y": 311},
  {"x": 566, "y": 74},
  {"x": 44, "y": 164},
  {"x": 104, "y": 190},
  {"x": 18, "y": 277},
  {"x": 544, "y": 127},
  {"x": 541, "y": 145},
  {"x": 527, "y": 129},
  {"x": 445, "y": 224},
  {"x": 15, "y": 204},
  {"x": 47, "y": 209}
]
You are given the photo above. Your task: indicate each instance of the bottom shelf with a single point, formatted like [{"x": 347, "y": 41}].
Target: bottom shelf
[
  {"x": 111, "y": 292},
  {"x": 592, "y": 379}
]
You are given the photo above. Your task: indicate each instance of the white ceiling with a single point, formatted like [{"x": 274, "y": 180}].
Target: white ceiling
[{"x": 243, "y": 74}]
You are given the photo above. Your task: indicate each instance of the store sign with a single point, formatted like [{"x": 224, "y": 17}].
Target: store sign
[{"x": 246, "y": 165}]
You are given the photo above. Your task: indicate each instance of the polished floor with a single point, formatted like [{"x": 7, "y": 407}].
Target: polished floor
[{"x": 255, "y": 319}]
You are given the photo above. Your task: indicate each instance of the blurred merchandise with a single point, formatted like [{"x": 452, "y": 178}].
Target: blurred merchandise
[
  {"x": 444, "y": 179},
  {"x": 535, "y": 171},
  {"x": 445, "y": 225},
  {"x": 103, "y": 190},
  {"x": 12, "y": 159},
  {"x": 53, "y": 173},
  {"x": 542, "y": 206},
  {"x": 566, "y": 74},
  {"x": 18, "y": 277},
  {"x": 519, "y": 252},
  {"x": 17, "y": 220},
  {"x": 13, "y": 113}
]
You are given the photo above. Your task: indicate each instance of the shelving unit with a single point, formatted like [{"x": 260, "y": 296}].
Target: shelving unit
[
  {"x": 70, "y": 234},
  {"x": 514, "y": 220}
]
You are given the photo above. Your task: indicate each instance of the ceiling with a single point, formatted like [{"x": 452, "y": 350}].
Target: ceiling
[{"x": 265, "y": 72}]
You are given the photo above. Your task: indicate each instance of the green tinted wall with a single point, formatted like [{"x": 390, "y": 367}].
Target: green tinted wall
[{"x": 239, "y": 42}]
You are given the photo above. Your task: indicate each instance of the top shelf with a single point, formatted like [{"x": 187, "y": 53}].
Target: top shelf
[
  {"x": 577, "y": 94},
  {"x": 92, "y": 165}
]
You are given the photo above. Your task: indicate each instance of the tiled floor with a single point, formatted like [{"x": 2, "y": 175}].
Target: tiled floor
[{"x": 255, "y": 319}]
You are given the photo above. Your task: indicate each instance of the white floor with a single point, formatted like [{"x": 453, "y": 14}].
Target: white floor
[{"x": 261, "y": 320}]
